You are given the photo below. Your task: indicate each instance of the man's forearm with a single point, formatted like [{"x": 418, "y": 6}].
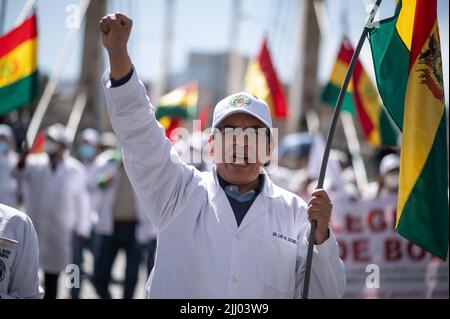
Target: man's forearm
[{"x": 120, "y": 64}]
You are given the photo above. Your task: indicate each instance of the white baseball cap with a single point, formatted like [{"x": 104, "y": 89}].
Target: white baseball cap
[
  {"x": 57, "y": 132},
  {"x": 108, "y": 139},
  {"x": 242, "y": 102},
  {"x": 389, "y": 162},
  {"x": 91, "y": 136},
  {"x": 7, "y": 132}
]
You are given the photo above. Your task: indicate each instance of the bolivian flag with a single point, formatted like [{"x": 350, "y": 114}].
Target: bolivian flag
[
  {"x": 18, "y": 66},
  {"x": 361, "y": 99},
  {"x": 407, "y": 59},
  {"x": 261, "y": 80},
  {"x": 178, "y": 104}
]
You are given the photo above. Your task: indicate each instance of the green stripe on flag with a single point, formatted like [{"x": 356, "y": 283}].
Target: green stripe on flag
[
  {"x": 172, "y": 111},
  {"x": 388, "y": 134},
  {"x": 18, "y": 94},
  {"x": 424, "y": 221},
  {"x": 391, "y": 62},
  {"x": 330, "y": 96}
]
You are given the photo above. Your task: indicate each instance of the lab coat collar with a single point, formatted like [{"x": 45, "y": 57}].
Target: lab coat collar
[{"x": 256, "y": 211}]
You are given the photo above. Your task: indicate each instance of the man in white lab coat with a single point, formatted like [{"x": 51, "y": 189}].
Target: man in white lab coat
[
  {"x": 57, "y": 201},
  {"x": 228, "y": 233},
  {"x": 19, "y": 256},
  {"x": 88, "y": 150}
]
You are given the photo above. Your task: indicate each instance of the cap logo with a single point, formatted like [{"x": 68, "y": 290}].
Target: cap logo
[{"x": 240, "y": 100}]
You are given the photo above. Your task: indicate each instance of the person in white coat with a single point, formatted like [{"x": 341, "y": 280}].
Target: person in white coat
[
  {"x": 87, "y": 152},
  {"x": 122, "y": 225},
  {"x": 228, "y": 233},
  {"x": 19, "y": 256},
  {"x": 57, "y": 201},
  {"x": 8, "y": 161}
]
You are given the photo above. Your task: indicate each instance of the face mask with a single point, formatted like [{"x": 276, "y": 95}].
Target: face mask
[
  {"x": 4, "y": 147},
  {"x": 391, "y": 181},
  {"x": 51, "y": 147},
  {"x": 86, "y": 151}
]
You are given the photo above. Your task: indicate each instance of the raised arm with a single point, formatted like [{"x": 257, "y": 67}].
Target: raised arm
[
  {"x": 116, "y": 30},
  {"x": 159, "y": 178}
]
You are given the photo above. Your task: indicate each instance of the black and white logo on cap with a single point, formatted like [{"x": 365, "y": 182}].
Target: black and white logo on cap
[{"x": 2, "y": 270}]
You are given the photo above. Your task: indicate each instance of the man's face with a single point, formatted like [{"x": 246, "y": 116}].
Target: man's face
[
  {"x": 391, "y": 179},
  {"x": 53, "y": 148},
  {"x": 88, "y": 151},
  {"x": 240, "y": 147}
]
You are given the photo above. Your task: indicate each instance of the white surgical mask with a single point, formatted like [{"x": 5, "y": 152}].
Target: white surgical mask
[
  {"x": 4, "y": 147},
  {"x": 51, "y": 147},
  {"x": 87, "y": 152},
  {"x": 391, "y": 181}
]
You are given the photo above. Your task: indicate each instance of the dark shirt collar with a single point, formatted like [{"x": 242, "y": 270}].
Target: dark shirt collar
[{"x": 223, "y": 183}]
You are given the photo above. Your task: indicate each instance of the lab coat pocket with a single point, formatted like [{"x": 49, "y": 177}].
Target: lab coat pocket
[
  {"x": 277, "y": 258},
  {"x": 7, "y": 254}
]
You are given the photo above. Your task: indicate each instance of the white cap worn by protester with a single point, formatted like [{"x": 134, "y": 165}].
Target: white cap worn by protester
[
  {"x": 108, "y": 139},
  {"x": 57, "y": 132},
  {"x": 242, "y": 102},
  {"x": 389, "y": 162},
  {"x": 7, "y": 132},
  {"x": 91, "y": 136}
]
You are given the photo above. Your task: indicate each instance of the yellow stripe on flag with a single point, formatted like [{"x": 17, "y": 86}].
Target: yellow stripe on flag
[
  {"x": 256, "y": 83},
  {"x": 372, "y": 105},
  {"x": 18, "y": 63},
  {"x": 184, "y": 96},
  {"x": 423, "y": 114},
  {"x": 338, "y": 75},
  {"x": 165, "y": 121},
  {"x": 405, "y": 22}
]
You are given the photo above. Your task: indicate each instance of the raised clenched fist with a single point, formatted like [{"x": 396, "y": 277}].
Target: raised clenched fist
[{"x": 115, "y": 30}]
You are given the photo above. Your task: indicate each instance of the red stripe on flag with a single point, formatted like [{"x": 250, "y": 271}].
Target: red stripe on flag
[
  {"x": 174, "y": 123},
  {"x": 346, "y": 51},
  {"x": 366, "y": 123},
  {"x": 424, "y": 20},
  {"x": 265, "y": 63},
  {"x": 38, "y": 144},
  {"x": 27, "y": 30},
  {"x": 345, "y": 55},
  {"x": 204, "y": 116}
]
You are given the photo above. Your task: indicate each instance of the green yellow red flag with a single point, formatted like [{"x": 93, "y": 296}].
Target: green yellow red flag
[
  {"x": 361, "y": 99},
  {"x": 262, "y": 81},
  {"x": 18, "y": 66},
  {"x": 407, "y": 59}
]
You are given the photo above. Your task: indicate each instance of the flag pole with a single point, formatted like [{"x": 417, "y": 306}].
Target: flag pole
[
  {"x": 3, "y": 6},
  {"x": 75, "y": 115},
  {"x": 25, "y": 12},
  {"x": 52, "y": 83},
  {"x": 355, "y": 150},
  {"x": 326, "y": 154}
]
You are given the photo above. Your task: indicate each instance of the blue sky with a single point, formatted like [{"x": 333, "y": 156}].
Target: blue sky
[{"x": 204, "y": 25}]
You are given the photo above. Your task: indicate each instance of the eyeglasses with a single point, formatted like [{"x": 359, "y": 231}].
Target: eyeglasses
[{"x": 258, "y": 132}]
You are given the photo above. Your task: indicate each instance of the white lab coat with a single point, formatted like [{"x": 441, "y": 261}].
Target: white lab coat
[
  {"x": 19, "y": 256},
  {"x": 106, "y": 165},
  {"x": 58, "y": 204},
  {"x": 93, "y": 191},
  {"x": 8, "y": 183},
  {"x": 201, "y": 252}
]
